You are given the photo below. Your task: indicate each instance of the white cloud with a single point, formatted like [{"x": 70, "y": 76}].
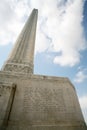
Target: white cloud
[
  {"x": 59, "y": 29},
  {"x": 63, "y": 24},
  {"x": 81, "y": 76},
  {"x": 83, "y": 103},
  {"x": 58, "y": 20},
  {"x": 11, "y": 19}
]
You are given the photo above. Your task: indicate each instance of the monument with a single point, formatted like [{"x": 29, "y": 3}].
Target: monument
[{"x": 35, "y": 102}]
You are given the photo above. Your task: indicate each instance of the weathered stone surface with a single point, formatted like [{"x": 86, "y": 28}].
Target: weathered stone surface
[
  {"x": 44, "y": 103},
  {"x": 34, "y": 102},
  {"x": 19, "y": 68},
  {"x": 7, "y": 91},
  {"x": 22, "y": 56},
  {"x": 47, "y": 128}
]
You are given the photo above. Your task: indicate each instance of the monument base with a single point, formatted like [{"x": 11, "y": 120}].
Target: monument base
[
  {"x": 46, "y": 128},
  {"x": 33, "y": 102}
]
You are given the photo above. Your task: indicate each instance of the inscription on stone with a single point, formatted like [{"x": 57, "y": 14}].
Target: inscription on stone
[{"x": 43, "y": 103}]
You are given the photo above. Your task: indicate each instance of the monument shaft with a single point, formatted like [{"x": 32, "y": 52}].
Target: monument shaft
[
  {"x": 22, "y": 56},
  {"x": 35, "y": 102}
]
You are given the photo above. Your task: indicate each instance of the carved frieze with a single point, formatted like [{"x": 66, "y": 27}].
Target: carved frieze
[{"x": 20, "y": 68}]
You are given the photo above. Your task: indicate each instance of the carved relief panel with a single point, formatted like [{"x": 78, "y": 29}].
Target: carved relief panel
[{"x": 7, "y": 91}]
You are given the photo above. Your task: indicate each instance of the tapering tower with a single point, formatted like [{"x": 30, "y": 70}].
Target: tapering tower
[
  {"x": 35, "y": 102},
  {"x": 22, "y": 56}
]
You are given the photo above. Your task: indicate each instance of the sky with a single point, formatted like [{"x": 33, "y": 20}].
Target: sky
[{"x": 61, "y": 38}]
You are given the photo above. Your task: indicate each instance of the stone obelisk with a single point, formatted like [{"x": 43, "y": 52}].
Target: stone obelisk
[
  {"x": 22, "y": 56},
  {"x": 35, "y": 102}
]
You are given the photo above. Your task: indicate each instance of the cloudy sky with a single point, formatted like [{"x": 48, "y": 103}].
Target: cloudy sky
[{"x": 61, "y": 41}]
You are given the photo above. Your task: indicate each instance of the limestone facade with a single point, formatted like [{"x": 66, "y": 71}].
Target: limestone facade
[
  {"x": 38, "y": 103},
  {"x": 35, "y": 102}
]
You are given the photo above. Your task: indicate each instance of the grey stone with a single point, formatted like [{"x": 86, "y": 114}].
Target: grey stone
[{"x": 35, "y": 102}]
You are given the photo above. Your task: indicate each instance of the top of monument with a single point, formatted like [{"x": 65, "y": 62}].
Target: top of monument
[{"x": 22, "y": 56}]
